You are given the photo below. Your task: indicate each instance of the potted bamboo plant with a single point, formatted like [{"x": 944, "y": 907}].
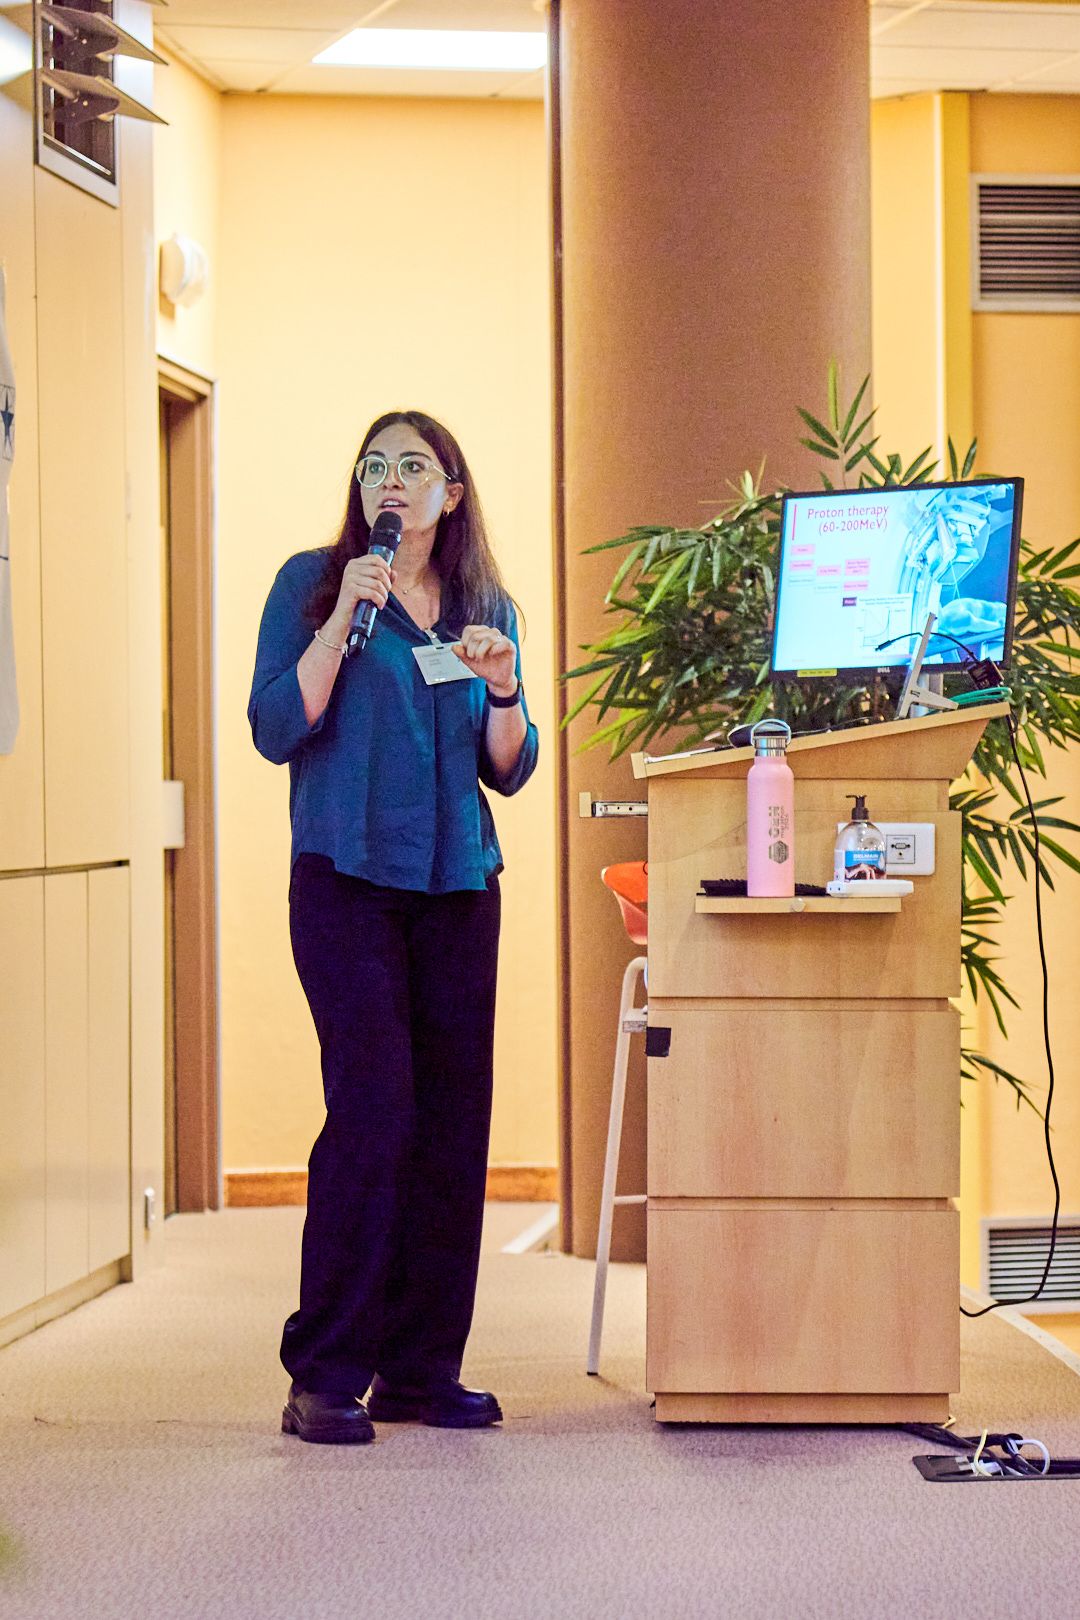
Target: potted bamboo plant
[{"x": 688, "y": 650}]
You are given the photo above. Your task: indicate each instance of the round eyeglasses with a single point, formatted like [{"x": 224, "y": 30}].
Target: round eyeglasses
[{"x": 413, "y": 470}]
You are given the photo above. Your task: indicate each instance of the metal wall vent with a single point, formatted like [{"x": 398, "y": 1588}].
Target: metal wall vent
[
  {"x": 1014, "y": 1255},
  {"x": 1027, "y": 242},
  {"x": 79, "y": 56}
]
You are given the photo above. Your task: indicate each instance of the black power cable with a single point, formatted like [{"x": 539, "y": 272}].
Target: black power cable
[
  {"x": 989, "y": 671},
  {"x": 1011, "y": 724}
]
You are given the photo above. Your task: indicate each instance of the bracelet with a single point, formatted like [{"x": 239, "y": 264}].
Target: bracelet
[
  {"x": 333, "y": 646},
  {"x": 505, "y": 702}
]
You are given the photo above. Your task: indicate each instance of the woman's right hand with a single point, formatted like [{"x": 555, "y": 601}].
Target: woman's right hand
[{"x": 365, "y": 579}]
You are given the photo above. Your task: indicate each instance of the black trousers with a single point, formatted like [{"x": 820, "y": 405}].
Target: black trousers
[{"x": 402, "y": 990}]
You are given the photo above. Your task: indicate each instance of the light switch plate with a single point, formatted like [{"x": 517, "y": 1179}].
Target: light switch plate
[{"x": 909, "y": 847}]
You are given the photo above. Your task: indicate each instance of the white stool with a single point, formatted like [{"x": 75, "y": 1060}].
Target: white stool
[{"x": 632, "y": 1021}]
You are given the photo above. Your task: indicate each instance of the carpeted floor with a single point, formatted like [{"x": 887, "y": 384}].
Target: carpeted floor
[{"x": 144, "y": 1474}]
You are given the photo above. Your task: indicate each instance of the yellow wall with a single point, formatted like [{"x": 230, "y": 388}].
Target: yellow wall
[
  {"x": 330, "y": 309},
  {"x": 904, "y": 233},
  {"x": 187, "y": 200},
  {"x": 1014, "y": 379},
  {"x": 1027, "y": 403}
]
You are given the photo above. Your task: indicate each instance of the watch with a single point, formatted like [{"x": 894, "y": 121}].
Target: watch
[{"x": 505, "y": 702}]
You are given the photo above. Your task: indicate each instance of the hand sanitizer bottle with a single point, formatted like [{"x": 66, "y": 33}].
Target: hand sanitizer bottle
[
  {"x": 770, "y": 814},
  {"x": 860, "y": 848}
]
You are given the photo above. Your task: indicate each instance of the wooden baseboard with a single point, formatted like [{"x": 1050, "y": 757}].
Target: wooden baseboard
[
  {"x": 257, "y": 1189},
  {"x": 506, "y": 1183},
  {"x": 523, "y": 1183}
]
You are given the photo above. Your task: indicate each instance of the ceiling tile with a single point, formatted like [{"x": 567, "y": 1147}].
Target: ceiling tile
[
  {"x": 956, "y": 69},
  {"x": 512, "y": 15},
  {"x": 992, "y": 27},
  {"x": 326, "y": 14},
  {"x": 286, "y": 45}
]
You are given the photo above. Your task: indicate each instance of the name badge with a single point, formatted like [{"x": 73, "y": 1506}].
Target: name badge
[{"x": 440, "y": 664}]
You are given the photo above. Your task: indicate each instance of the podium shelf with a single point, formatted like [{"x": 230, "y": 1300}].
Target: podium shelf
[{"x": 739, "y": 905}]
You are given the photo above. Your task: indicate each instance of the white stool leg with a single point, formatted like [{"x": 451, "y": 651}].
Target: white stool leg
[{"x": 611, "y": 1162}]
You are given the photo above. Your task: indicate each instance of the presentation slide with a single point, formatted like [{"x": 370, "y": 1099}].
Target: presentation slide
[{"x": 859, "y": 568}]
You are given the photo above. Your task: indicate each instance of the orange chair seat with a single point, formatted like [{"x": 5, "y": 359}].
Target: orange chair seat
[{"x": 629, "y": 883}]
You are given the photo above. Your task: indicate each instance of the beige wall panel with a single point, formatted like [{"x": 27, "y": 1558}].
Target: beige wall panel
[
  {"x": 66, "y": 1081},
  {"x": 144, "y": 644},
  {"x": 83, "y": 539},
  {"x": 819, "y": 1102},
  {"x": 22, "y": 793},
  {"x": 744, "y": 1300},
  {"x": 702, "y": 833},
  {"x": 109, "y": 1121},
  {"x": 22, "y": 1092}
]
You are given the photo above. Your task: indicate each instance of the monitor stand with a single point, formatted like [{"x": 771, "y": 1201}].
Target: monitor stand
[{"x": 916, "y": 699}]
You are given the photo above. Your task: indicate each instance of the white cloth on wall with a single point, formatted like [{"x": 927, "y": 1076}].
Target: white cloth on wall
[{"x": 9, "y": 693}]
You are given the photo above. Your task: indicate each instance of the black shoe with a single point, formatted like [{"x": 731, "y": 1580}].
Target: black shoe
[
  {"x": 330, "y": 1420},
  {"x": 445, "y": 1405}
]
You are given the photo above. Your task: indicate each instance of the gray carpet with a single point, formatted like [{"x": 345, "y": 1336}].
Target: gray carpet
[{"x": 144, "y": 1474}]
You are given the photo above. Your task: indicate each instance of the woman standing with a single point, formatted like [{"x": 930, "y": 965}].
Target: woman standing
[{"x": 394, "y": 918}]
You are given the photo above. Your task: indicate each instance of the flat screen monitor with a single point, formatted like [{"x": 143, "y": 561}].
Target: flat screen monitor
[{"x": 860, "y": 567}]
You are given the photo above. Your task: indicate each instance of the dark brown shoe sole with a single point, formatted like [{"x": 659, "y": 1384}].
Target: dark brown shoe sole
[{"x": 339, "y": 1434}]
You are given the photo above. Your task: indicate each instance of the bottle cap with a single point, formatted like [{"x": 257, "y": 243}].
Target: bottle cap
[
  {"x": 770, "y": 737},
  {"x": 860, "y": 812}
]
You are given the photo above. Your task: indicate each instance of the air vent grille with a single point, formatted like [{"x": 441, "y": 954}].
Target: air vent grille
[
  {"x": 1027, "y": 244},
  {"x": 1016, "y": 1257}
]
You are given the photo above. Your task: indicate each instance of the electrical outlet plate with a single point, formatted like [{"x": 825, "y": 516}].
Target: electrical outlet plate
[{"x": 909, "y": 847}]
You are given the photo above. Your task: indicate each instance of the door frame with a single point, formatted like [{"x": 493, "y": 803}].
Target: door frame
[{"x": 191, "y": 652}]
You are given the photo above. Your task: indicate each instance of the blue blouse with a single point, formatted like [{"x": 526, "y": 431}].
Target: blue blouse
[{"x": 387, "y": 780}]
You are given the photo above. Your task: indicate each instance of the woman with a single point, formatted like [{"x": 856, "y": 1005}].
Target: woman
[{"x": 394, "y": 917}]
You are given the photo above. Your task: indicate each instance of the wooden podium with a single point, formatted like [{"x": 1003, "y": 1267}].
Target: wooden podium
[{"x": 803, "y": 1096}]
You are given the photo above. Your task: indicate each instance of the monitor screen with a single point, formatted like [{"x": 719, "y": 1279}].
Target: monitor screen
[{"x": 859, "y": 567}]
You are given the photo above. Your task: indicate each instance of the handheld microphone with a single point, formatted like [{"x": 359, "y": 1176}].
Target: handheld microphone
[{"x": 384, "y": 541}]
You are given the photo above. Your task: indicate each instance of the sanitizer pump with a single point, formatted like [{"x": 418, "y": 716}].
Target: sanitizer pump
[
  {"x": 770, "y": 814},
  {"x": 860, "y": 848}
]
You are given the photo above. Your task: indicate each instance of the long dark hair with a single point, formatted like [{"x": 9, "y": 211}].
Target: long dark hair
[{"x": 472, "y": 588}]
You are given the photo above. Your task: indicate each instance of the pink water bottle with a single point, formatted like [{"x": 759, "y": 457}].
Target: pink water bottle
[{"x": 770, "y": 813}]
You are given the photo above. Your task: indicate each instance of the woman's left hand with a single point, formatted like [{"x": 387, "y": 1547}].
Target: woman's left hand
[{"x": 491, "y": 655}]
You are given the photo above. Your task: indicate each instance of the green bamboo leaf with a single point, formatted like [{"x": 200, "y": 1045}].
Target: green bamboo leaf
[
  {"x": 623, "y": 569},
  {"x": 622, "y": 540},
  {"x": 916, "y": 464},
  {"x": 969, "y": 459},
  {"x": 820, "y": 449},
  {"x": 954, "y": 465},
  {"x": 817, "y": 427},
  {"x": 583, "y": 702},
  {"x": 856, "y": 402},
  {"x": 1063, "y": 555},
  {"x": 834, "y": 394},
  {"x": 984, "y": 873},
  {"x": 863, "y": 451},
  {"x": 1063, "y": 855}
]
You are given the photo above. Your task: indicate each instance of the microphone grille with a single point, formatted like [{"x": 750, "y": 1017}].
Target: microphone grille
[{"x": 386, "y": 531}]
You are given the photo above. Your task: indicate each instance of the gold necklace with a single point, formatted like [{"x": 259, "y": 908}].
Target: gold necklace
[{"x": 409, "y": 588}]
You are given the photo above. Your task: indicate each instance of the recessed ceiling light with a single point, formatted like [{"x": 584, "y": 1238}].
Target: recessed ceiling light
[{"x": 454, "y": 50}]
